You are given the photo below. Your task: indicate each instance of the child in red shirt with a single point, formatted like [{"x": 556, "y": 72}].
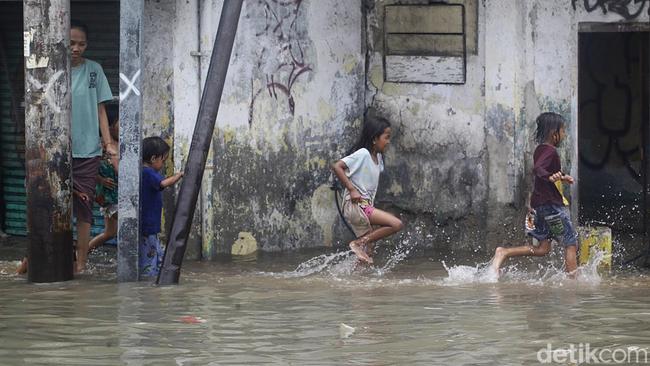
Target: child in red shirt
[{"x": 547, "y": 203}]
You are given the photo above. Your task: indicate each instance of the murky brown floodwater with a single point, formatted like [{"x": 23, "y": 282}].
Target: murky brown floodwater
[{"x": 263, "y": 313}]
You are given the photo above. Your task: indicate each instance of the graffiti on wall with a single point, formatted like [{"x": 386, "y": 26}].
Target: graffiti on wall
[
  {"x": 614, "y": 134},
  {"x": 282, "y": 56},
  {"x": 628, "y": 9}
]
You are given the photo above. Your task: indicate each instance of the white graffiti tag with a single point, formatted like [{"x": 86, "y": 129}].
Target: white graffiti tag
[
  {"x": 130, "y": 85},
  {"x": 51, "y": 99}
]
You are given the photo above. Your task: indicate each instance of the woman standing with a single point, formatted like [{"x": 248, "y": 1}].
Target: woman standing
[{"x": 90, "y": 90}]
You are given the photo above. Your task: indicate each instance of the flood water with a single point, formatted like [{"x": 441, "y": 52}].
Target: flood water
[{"x": 286, "y": 310}]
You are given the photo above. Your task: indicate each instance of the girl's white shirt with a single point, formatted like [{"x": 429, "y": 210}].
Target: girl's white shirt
[{"x": 364, "y": 173}]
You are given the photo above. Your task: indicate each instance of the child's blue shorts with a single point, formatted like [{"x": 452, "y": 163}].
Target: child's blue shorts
[{"x": 542, "y": 231}]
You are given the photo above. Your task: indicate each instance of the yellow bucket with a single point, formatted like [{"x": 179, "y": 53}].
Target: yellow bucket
[{"x": 593, "y": 240}]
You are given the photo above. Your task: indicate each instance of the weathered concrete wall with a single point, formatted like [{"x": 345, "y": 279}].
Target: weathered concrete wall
[
  {"x": 291, "y": 98},
  {"x": 158, "y": 83},
  {"x": 437, "y": 167},
  {"x": 186, "y": 26},
  {"x": 303, "y": 72},
  {"x": 458, "y": 168},
  {"x": 531, "y": 66}
]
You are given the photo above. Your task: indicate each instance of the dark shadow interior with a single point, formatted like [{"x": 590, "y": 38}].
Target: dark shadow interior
[{"x": 613, "y": 124}]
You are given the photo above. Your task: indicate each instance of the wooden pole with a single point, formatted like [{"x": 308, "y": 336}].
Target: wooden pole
[{"x": 48, "y": 155}]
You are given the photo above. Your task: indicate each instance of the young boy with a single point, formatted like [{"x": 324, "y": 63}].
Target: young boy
[
  {"x": 154, "y": 153},
  {"x": 548, "y": 204}
]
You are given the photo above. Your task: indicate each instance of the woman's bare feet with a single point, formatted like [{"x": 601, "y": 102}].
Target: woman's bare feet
[
  {"x": 358, "y": 247},
  {"x": 79, "y": 268},
  {"x": 22, "y": 267}
]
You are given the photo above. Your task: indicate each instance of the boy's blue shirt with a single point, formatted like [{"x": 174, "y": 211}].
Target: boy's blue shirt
[{"x": 151, "y": 201}]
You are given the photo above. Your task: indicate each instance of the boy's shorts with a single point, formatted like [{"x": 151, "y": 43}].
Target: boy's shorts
[{"x": 542, "y": 231}]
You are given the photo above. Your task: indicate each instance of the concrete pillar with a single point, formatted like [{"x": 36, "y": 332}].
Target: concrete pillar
[
  {"x": 48, "y": 154},
  {"x": 646, "y": 156},
  {"x": 503, "y": 104},
  {"x": 187, "y": 58},
  {"x": 128, "y": 232},
  {"x": 201, "y": 139}
]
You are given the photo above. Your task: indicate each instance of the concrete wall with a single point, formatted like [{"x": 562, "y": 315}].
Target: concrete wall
[
  {"x": 301, "y": 75},
  {"x": 437, "y": 167},
  {"x": 291, "y": 99},
  {"x": 541, "y": 74},
  {"x": 157, "y": 100}
]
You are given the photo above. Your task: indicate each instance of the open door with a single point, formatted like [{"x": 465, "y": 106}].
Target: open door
[{"x": 613, "y": 128}]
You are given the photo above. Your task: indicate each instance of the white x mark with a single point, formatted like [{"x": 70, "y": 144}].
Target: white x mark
[
  {"x": 130, "y": 85},
  {"x": 51, "y": 100}
]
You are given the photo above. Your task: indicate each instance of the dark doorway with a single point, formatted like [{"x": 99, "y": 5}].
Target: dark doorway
[{"x": 613, "y": 128}]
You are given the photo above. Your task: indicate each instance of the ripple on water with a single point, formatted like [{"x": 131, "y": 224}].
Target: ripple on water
[{"x": 415, "y": 312}]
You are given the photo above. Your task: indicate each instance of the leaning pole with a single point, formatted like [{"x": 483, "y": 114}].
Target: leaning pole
[{"x": 203, "y": 130}]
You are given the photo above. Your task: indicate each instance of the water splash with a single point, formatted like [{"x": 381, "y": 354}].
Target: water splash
[
  {"x": 545, "y": 273},
  {"x": 396, "y": 256},
  {"x": 345, "y": 263},
  {"x": 589, "y": 272},
  {"x": 334, "y": 263},
  {"x": 461, "y": 275}
]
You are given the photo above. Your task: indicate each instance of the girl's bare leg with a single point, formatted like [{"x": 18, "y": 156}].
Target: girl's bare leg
[
  {"x": 110, "y": 230},
  {"x": 389, "y": 225},
  {"x": 388, "y": 222},
  {"x": 83, "y": 237},
  {"x": 502, "y": 253}
]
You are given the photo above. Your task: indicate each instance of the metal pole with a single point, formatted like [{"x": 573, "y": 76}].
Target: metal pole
[
  {"x": 203, "y": 130},
  {"x": 128, "y": 220},
  {"x": 48, "y": 154}
]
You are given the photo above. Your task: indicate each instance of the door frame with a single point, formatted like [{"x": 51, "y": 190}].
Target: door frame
[{"x": 599, "y": 27}]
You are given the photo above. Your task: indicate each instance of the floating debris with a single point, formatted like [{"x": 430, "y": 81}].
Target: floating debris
[
  {"x": 190, "y": 319},
  {"x": 345, "y": 331}
]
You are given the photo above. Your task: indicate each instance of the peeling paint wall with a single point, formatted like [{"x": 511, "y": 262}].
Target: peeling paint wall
[
  {"x": 291, "y": 99},
  {"x": 157, "y": 81},
  {"x": 303, "y": 72},
  {"x": 260, "y": 116},
  {"x": 185, "y": 29},
  {"x": 437, "y": 166},
  {"x": 531, "y": 66}
]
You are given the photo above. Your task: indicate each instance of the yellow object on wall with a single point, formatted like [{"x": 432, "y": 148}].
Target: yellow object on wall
[
  {"x": 244, "y": 245},
  {"x": 593, "y": 240}
]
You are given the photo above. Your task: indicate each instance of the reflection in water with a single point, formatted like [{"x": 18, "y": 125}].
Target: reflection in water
[{"x": 285, "y": 310}]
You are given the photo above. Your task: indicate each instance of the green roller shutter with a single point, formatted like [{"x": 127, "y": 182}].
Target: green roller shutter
[
  {"x": 102, "y": 18},
  {"x": 12, "y": 115}
]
